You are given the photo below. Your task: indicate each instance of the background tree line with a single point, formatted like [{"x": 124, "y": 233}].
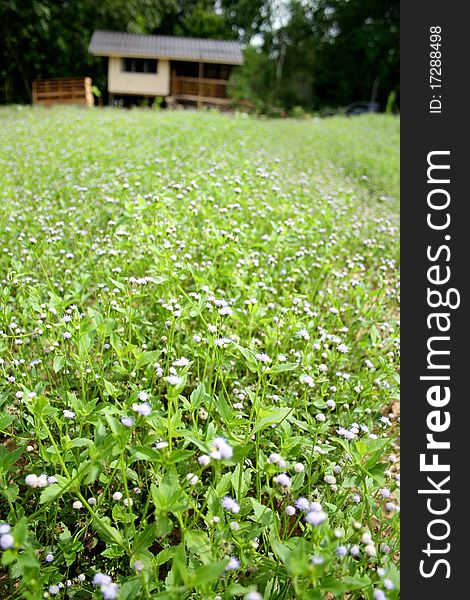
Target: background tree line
[{"x": 308, "y": 53}]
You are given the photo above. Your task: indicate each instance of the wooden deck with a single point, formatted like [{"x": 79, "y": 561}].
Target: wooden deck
[
  {"x": 72, "y": 90},
  {"x": 200, "y": 90}
]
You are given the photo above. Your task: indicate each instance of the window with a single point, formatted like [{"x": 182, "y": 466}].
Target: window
[{"x": 139, "y": 65}]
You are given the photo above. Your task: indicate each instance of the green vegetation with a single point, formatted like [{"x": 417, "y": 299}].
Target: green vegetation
[
  {"x": 319, "y": 54},
  {"x": 199, "y": 355}
]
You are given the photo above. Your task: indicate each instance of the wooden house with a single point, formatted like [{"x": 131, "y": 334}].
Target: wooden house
[{"x": 188, "y": 70}]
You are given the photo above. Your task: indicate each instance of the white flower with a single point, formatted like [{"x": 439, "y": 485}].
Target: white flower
[
  {"x": 101, "y": 579},
  {"x": 230, "y": 504},
  {"x": 315, "y": 517},
  {"x": 370, "y": 550},
  {"x": 274, "y": 458},
  {"x": 128, "y": 502},
  {"x": 388, "y": 584},
  {"x": 6, "y": 541},
  {"x": 173, "y": 379},
  {"x": 139, "y": 565},
  {"x": 181, "y": 362},
  {"x": 233, "y": 564},
  {"x": 77, "y": 505},
  {"x": 299, "y": 467},
  {"x": 303, "y": 333},
  {"x": 355, "y": 550},
  {"x": 253, "y": 596},
  {"x": 143, "y": 396},
  {"x": 117, "y": 496},
  {"x": 110, "y": 591},
  {"x": 204, "y": 460},
  {"x": 49, "y": 557},
  {"x": 127, "y": 421},
  {"x": 221, "y": 449},
  {"x": 34, "y": 481},
  {"x": 4, "y": 528},
  {"x": 342, "y": 348},
  {"x": 307, "y": 380},
  {"x": 366, "y": 538},
  {"x": 263, "y": 357},
  {"x": 68, "y": 414},
  {"x": 330, "y": 479},
  {"x": 67, "y": 335},
  {"x": 290, "y": 510},
  {"x": 302, "y": 503},
  {"x": 283, "y": 479},
  {"x": 143, "y": 409}
]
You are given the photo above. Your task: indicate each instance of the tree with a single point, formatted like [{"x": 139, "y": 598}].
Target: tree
[{"x": 357, "y": 54}]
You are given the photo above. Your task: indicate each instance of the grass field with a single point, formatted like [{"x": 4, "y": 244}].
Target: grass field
[{"x": 199, "y": 355}]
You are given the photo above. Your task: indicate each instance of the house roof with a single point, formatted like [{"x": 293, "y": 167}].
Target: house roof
[{"x": 113, "y": 43}]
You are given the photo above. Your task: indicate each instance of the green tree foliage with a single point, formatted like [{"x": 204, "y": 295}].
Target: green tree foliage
[
  {"x": 357, "y": 49},
  {"x": 298, "y": 53}
]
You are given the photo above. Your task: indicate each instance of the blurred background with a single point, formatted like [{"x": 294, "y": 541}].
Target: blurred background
[{"x": 315, "y": 56}]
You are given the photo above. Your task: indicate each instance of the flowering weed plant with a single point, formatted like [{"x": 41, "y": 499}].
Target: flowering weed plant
[{"x": 199, "y": 336}]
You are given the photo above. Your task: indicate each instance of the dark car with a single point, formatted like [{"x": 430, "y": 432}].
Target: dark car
[{"x": 359, "y": 108}]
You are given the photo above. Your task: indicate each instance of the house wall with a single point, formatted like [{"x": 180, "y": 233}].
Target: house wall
[{"x": 145, "y": 84}]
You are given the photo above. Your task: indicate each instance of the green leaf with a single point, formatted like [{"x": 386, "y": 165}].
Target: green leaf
[
  {"x": 142, "y": 453},
  {"x": 250, "y": 357},
  {"x": 281, "y": 367},
  {"x": 356, "y": 582},
  {"x": 11, "y": 492},
  {"x": 165, "y": 555},
  {"x": 208, "y": 573},
  {"x": 199, "y": 544},
  {"x": 118, "y": 284},
  {"x": 179, "y": 565},
  {"x": 80, "y": 442},
  {"x": 169, "y": 496},
  {"x": 6, "y": 421},
  {"x": 145, "y": 538},
  {"x": 329, "y": 584},
  {"x": 179, "y": 455},
  {"x": 147, "y": 357},
  {"x": 271, "y": 418},
  {"x": 130, "y": 589},
  {"x": 59, "y": 362},
  {"x": 198, "y": 395},
  {"x": 111, "y": 389},
  {"x": 262, "y": 514},
  {"x": 107, "y": 533},
  {"x": 281, "y": 550},
  {"x": 51, "y": 493}
]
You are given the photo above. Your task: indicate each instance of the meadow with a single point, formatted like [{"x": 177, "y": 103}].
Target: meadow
[{"x": 199, "y": 333}]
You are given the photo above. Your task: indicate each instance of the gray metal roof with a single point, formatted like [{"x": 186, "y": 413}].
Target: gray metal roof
[{"x": 112, "y": 43}]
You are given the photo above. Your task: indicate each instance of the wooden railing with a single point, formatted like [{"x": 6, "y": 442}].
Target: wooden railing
[
  {"x": 73, "y": 90},
  {"x": 199, "y": 89}
]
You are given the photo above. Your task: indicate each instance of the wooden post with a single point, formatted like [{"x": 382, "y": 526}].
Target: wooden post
[{"x": 199, "y": 86}]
